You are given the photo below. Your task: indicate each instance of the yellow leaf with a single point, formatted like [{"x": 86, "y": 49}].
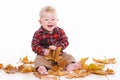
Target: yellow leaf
[
  {"x": 94, "y": 66},
  {"x": 1, "y": 66},
  {"x": 105, "y": 61},
  {"x": 99, "y": 72},
  {"x": 109, "y": 71},
  {"x": 83, "y": 60},
  {"x": 25, "y": 60},
  {"x": 10, "y": 69}
]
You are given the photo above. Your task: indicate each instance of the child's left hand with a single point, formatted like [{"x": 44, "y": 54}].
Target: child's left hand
[{"x": 52, "y": 47}]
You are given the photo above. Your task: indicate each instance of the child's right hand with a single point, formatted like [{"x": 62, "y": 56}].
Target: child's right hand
[{"x": 46, "y": 52}]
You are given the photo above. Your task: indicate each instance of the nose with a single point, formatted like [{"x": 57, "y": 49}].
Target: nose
[{"x": 50, "y": 21}]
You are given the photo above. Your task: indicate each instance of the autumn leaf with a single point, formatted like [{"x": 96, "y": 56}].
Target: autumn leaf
[
  {"x": 102, "y": 72},
  {"x": 26, "y": 69},
  {"x": 25, "y": 60},
  {"x": 54, "y": 55},
  {"x": 50, "y": 56},
  {"x": 57, "y": 56},
  {"x": 105, "y": 61},
  {"x": 95, "y": 66},
  {"x": 83, "y": 60},
  {"x": 109, "y": 71},
  {"x": 1, "y": 66},
  {"x": 62, "y": 63},
  {"x": 77, "y": 74},
  {"x": 99, "y": 72},
  {"x": 10, "y": 69}
]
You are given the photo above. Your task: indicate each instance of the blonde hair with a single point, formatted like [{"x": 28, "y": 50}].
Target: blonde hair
[{"x": 49, "y": 9}]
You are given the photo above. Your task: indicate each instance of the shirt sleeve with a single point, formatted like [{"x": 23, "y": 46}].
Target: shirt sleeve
[
  {"x": 63, "y": 41},
  {"x": 36, "y": 47}
]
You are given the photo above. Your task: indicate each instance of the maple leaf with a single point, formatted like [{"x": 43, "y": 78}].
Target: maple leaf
[
  {"x": 57, "y": 56},
  {"x": 83, "y": 60},
  {"x": 1, "y": 66},
  {"x": 102, "y": 72},
  {"x": 84, "y": 67},
  {"x": 10, "y": 69},
  {"x": 99, "y": 72},
  {"x": 54, "y": 55},
  {"x": 39, "y": 75},
  {"x": 94, "y": 66},
  {"x": 62, "y": 63},
  {"x": 109, "y": 71},
  {"x": 105, "y": 61},
  {"x": 25, "y": 60},
  {"x": 26, "y": 69},
  {"x": 77, "y": 74}
]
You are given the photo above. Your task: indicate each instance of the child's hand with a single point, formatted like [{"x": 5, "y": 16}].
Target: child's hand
[
  {"x": 52, "y": 47},
  {"x": 46, "y": 52}
]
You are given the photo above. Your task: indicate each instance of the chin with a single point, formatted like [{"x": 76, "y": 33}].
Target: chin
[{"x": 51, "y": 29}]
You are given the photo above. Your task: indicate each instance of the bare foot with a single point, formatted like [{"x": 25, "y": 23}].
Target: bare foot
[
  {"x": 73, "y": 66},
  {"x": 42, "y": 70}
]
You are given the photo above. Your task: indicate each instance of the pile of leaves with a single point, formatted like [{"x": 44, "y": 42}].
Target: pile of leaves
[
  {"x": 92, "y": 68},
  {"x": 98, "y": 67},
  {"x": 25, "y": 67}
]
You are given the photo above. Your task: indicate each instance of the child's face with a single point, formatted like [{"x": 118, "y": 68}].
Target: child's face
[{"x": 48, "y": 21}]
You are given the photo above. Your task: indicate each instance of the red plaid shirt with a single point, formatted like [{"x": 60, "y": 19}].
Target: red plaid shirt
[{"x": 42, "y": 40}]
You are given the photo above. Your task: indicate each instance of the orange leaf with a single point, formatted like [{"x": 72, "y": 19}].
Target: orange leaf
[
  {"x": 26, "y": 61},
  {"x": 105, "y": 61},
  {"x": 10, "y": 69},
  {"x": 1, "y": 66}
]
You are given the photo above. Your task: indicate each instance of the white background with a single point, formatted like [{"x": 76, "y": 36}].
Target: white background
[{"x": 93, "y": 27}]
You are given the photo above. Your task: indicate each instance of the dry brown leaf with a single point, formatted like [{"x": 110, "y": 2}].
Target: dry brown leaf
[
  {"x": 57, "y": 56},
  {"x": 1, "y": 66},
  {"x": 62, "y": 63},
  {"x": 51, "y": 72},
  {"x": 99, "y": 72},
  {"x": 58, "y": 73},
  {"x": 56, "y": 68},
  {"x": 39, "y": 75},
  {"x": 109, "y": 71},
  {"x": 105, "y": 61},
  {"x": 77, "y": 74},
  {"x": 54, "y": 55},
  {"x": 102, "y": 72},
  {"x": 20, "y": 67},
  {"x": 95, "y": 66},
  {"x": 84, "y": 67},
  {"x": 83, "y": 60},
  {"x": 50, "y": 78},
  {"x": 62, "y": 73},
  {"x": 10, "y": 69},
  {"x": 25, "y": 60},
  {"x": 50, "y": 56},
  {"x": 26, "y": 69}
]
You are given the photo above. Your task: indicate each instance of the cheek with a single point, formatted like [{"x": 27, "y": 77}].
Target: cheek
[
  {"x": 55, "y": 22},
  {"x": 43, "y": 23}
]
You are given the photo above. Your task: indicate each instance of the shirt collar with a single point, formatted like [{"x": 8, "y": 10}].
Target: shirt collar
[{"x": 45, "y": 31}]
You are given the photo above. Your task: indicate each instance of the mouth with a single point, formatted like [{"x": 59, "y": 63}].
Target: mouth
[{"x": 50, "y": 26}]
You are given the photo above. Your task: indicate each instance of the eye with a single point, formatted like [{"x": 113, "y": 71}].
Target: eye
[
  {"x": 53, "y": 19},
  {"x": 46, "y": 19}
]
